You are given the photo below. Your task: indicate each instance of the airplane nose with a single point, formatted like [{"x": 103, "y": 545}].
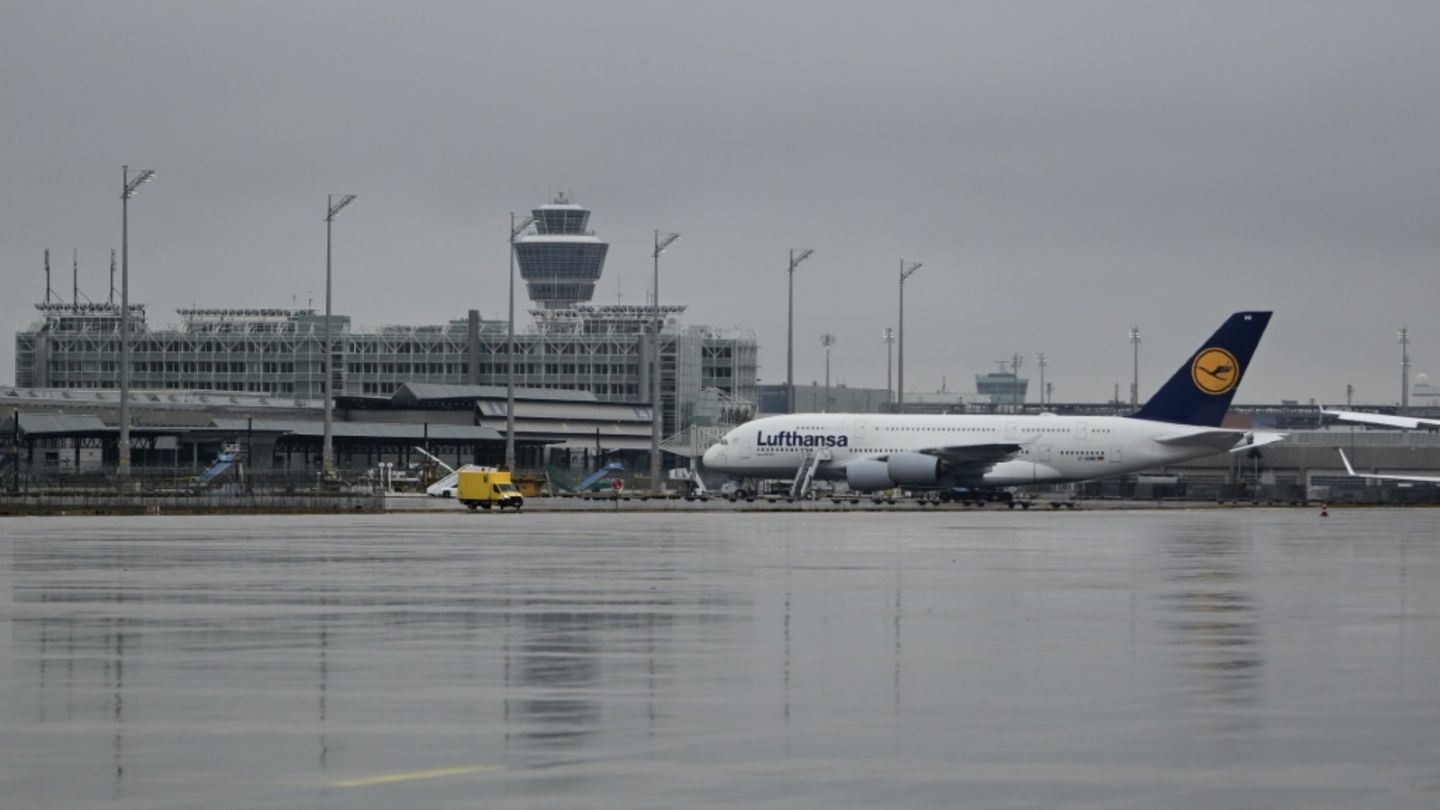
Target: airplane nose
[{"x": 712, "y": 455}]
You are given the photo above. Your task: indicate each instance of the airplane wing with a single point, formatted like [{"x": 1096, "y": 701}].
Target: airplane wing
[
  {"x": 1406, "y": 422},
  {"x": 975, "y": 453},
  {"x": 1351, "y": 470},
  {"x": 974, "y": 459}
]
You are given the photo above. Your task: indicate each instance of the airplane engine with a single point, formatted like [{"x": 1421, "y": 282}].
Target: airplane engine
[
  {"x": 867, "y": 476},
  {"x": 914, "y": 469}
]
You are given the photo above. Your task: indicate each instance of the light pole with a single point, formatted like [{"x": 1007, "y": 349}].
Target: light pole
[
  {"x": 1404, "y": 335},
  {"x": 889, "y": 335},
  {"x": 515, "y": 231},
  {"x": 1040, "y": 361},
  {"x": 129, "y": 187},
  {"x": 327, "y": 449},
  {"x": 827, "y": 340},
  {"x": 790, "y": 332},
  {"x": 1015, "y": 363},
  {"x": 1135, "y": 381},
  {"x": 657, "y": 424},
  {"x": 905, "y": 272}
]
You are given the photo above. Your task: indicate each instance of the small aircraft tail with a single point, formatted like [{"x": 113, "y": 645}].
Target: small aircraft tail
[{"x": 1200, "y": 391}]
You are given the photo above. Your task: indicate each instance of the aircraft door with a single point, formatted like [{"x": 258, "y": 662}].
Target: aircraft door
[
  {"x": 1114, "y": 454},
  {"x": 1082, "y": 429},
  {"x": 746, "y": 447},
  {"x": 1042, "y": 453}
]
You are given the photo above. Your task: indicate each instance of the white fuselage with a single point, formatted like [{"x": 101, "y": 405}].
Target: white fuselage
[{"x": 1053, "y": 448}]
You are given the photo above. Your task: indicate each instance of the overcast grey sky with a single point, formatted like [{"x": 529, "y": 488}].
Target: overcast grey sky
[{"x": 1063, "y": 170}]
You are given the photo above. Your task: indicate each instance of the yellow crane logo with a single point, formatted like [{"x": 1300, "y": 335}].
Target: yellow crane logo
[{"x": 1215, "y": 371}]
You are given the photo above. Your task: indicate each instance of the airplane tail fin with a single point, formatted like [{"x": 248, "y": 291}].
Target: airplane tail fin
[{"x": 1200, "y": 391}]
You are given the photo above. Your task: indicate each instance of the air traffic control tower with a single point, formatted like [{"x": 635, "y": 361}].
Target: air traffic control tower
[{"x": 560, "y": 261}]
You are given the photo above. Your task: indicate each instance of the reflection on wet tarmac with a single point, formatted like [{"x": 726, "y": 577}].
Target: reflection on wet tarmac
[
  {"x": 1215, "y": 658},
  {"x": 1210, "y": 610}
]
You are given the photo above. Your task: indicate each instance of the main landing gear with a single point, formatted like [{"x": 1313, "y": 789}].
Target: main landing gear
[{"x": 980, "y": 496}]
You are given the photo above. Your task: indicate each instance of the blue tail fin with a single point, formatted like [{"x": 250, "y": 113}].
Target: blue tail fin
[{"x": 1200, "y": 391}]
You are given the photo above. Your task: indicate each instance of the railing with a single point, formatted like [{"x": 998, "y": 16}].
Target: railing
[
  {"x": 181, "y": 483},
  {"x": 238, "y": 503}
]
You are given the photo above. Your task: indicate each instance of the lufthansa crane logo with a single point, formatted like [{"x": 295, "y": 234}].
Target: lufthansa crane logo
[{"x": 1215, "y": 371}]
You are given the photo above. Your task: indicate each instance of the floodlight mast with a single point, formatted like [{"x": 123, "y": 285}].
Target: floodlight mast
[
  {"x": 515, "y": 231},
  {"x": 906, "y": 271},
  {"x": 1015, "y": 363},
  {"x": 1135, "y": 378},
  {"x": 129, "y": 186},
  {"x": 327, "y": 450},
  {"x": 889, "y": 336},
  {"x": 790, "y": 331},
  {"x": 1404, "y": 337},
  {"x": 1040, "y": 361},
  {"x": 657, "y": 423},
  {"x": 827, "y": 340}
]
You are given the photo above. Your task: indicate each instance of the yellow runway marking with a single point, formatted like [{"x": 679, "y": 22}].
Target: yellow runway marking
[{"x": 414, "y": 776}]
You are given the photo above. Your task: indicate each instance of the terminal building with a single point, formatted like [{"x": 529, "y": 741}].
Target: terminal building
[{"x": 601, "y": 352}]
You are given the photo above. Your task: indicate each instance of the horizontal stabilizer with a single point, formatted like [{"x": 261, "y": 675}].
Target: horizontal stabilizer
[
  {"x": 1218, "y": 440},
  {"x": 1259, "y": 438}
]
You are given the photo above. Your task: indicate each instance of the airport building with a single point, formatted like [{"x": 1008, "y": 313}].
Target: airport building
[
  {"x": 817, "y": 398},
  {"x": 571, "y": 345},
  {"x": 1002, "y": 387}
]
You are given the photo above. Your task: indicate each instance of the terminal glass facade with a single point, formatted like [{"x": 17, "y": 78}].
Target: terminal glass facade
[{"x": 603, "y": 350}]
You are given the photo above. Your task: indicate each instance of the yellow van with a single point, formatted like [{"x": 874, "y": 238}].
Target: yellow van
[{"x": 485, "y": 488}]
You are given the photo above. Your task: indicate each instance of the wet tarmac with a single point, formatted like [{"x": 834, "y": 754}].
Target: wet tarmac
[{"x": 1181, "y": 659}]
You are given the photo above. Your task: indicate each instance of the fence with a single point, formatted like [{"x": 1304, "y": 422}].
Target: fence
[
  {"x": 169, "y": 491},
  {"x": 97, "y": 504}
]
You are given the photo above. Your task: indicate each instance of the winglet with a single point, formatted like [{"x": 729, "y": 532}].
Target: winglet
[{"x": 1348, "y": 468}]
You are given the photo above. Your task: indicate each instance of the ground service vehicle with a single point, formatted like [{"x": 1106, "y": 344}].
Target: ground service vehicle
[{"x": 485, "y": 488}]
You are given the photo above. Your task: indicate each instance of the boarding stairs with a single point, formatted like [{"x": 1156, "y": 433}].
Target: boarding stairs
[
  {"x": 599, "y": 475},
  {"x": 229, "y": 458},
  {"x": 805, "y": 474},
  {"x": 445, "y": 487}
]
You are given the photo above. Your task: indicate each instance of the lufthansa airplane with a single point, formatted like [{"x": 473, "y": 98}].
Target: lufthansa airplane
[{"x": 984, "y": 453}]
